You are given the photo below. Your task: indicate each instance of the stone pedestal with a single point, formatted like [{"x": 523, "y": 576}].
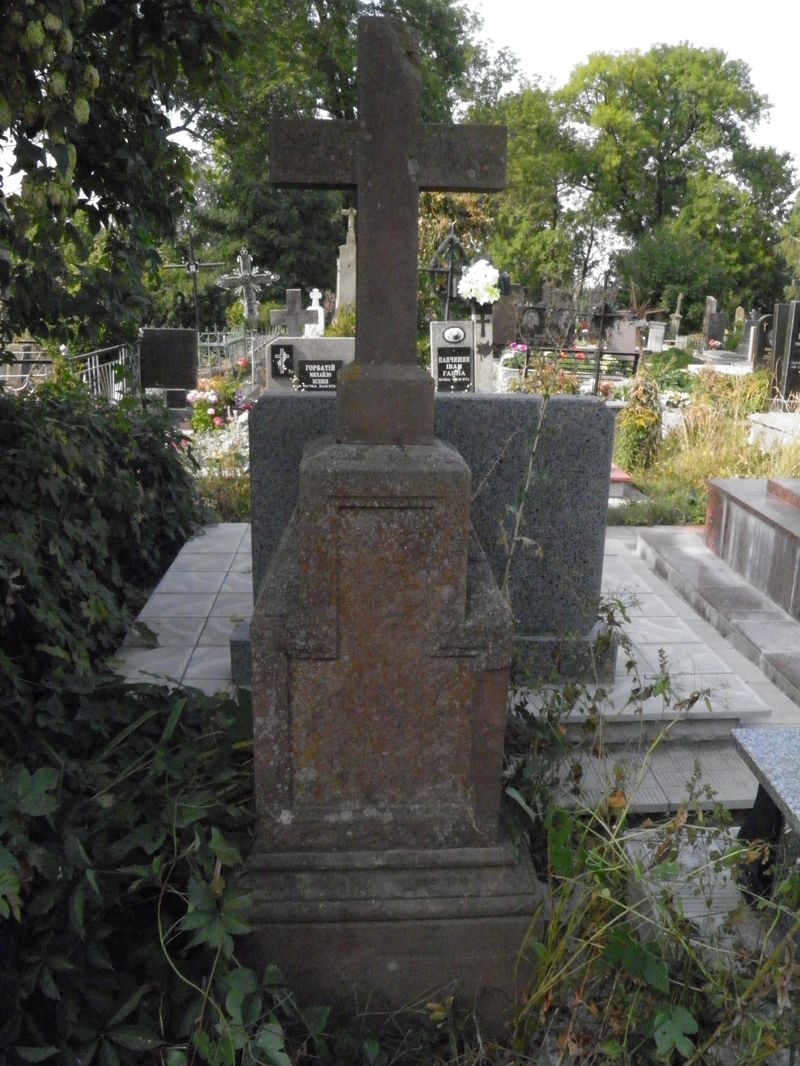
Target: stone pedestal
[{"x": 381, "y": 651}]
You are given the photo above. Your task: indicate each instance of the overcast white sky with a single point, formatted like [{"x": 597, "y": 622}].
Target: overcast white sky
[{"x": 551, "y": 39}]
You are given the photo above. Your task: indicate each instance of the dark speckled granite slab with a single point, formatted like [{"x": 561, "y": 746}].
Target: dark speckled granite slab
[{"x": 774, "y": 757}]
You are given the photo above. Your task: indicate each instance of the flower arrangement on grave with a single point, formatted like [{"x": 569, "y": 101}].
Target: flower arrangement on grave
[
  {"x": 212, "y": 400},
  {"x": 480, "y": 283},
  {"x": 515, "y": 355}
]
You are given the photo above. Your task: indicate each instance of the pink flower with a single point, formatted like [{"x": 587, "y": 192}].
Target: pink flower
[
  {"x": 218, "y": 421},
  {"x": 243, "y": 361}
]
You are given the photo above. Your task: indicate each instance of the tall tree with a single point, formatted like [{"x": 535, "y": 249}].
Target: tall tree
[
  {"x": 299, "y": 58},
  {"x": 85, "y": 91}
]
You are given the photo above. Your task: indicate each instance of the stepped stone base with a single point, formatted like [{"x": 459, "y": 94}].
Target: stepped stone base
[
  {"x": 754, "y": 525},
  {"x": 347, "y": 927}
]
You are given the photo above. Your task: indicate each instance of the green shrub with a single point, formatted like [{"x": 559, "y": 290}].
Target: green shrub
[
  {"x": 344, "y": 325},
  {"x": 96, "y": 501},
  {"x": 639, "y": 427}
]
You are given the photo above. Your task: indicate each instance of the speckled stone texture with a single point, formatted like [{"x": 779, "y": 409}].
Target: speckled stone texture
[
  {"x": 555, "y": 589},
  {"x": 754, "y": 526},
  {"x": 381, "y": 648},
  {"x": 774, "y": 757}
]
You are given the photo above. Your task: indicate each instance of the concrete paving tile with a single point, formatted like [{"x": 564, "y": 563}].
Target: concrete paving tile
[
  {"x": 242, "y": 562},
  {"x": 209, "y": 662},
  {"x": 665, "y": 630},
  {"x": 686, "y": 658},
  {"x": 652, "y": 605},
  {"x": 232, "y": 605},
  {"x": 238, "y": 582},
  {"x": 783, "y": 709},
  {"x": 627, "y": 585},
  {"x": 736, "y": 597},
  {"x": 772, "y": 631},
  {"x": 171, "y": 632},
  {"x": 152, "y": 664},
  {"x": 216, "y": 631},
  {"x": 198, "y": 561},
  {"x": 191, "y": 581},
  {"x": 178, "y": 605}
]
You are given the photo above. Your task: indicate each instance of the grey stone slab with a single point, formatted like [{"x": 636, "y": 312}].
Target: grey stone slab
[
  {"x": 178, "y": 605},
  {"x": 661, "y": 630},
  {"x": 787, "y": 665},
  {"x": 197, "y": 561},
  {"x": 686, "y": 658},
  {"x": 151, "y": 664},
  {"x": 209, "y": 661},
  {"x": 217, "y": 631},
  {"x": 551, "y": 591},
  {"x": 232, "y": 605},
  {"x": 190, "y": 581},
  {"x": 783, "y": 709},
  {"x": 773, "y": 631},
  {"x": 243, "y": 563},
  {"x": 774, "y": 757},
  {"x": 739, "y": 598},
  {"x": 171, "y": 632},
  {"x": 238, "y": 581}
]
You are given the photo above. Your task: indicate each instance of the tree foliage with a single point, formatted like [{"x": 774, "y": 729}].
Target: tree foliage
[{"x": 85, "y": 90}]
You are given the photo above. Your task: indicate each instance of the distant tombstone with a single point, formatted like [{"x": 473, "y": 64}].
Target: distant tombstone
[
  {"x": 789, "y": 380},
  {"x": 293, "y": 317},
  {"x": 453, "y": 356},
  {"x": 346, "y": 265},
  {"x": 532, "y": 322},
  {"x": 780, "y": 326},
  {"x": 168, "y": 360},
  {"x": 676, "y": 318},
  {"x": 739, "y": 317},
  {"x": 504, "y": 320},
  {"x": 622, "y": 335},
  {"x": 714, "y": 323},
  {"x": 655, "y": 336},
  {"x": 307, "y": 364},
  {"x": 315, "y": 329}
]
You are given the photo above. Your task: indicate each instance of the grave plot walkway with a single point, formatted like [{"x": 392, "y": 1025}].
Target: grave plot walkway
[{"x": 208, "y": 590}]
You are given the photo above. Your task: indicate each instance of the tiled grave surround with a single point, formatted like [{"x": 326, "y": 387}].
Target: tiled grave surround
[
  {"x": 208, "y": 589},
  {"x": 193, "y": 611}
]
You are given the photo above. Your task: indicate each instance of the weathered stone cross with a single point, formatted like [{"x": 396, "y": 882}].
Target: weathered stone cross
[
  {"x": 294, "y": 316},
  {"x": 388, "y": 156}
]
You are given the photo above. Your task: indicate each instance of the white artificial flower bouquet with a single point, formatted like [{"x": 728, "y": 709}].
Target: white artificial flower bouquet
[{"x": 480, "y": 282}]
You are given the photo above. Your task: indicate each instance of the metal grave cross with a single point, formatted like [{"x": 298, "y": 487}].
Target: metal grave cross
[
  {"x": 246, "y": 281},
  {"x": 388, "y": 156},
  {"x": 293, "y": 316},
  {"x": 193, "y": 266}
]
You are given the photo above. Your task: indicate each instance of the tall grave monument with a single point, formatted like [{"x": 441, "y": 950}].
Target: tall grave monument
[{"x": 381, "y": 644}]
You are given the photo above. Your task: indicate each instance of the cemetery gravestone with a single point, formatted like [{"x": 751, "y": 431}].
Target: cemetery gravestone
[
  {"x": 379, "y": 861},
  {"x": 780, "y": 325},
  {"x": 168, "y": 360},
  {"x": 315, "y": 329},
  {"x": 453, "y": 356},
  {"x": 307, "y": 363},
  {"x": 789, "y": 381},
  {"x": 293, "y": 317},
  {"x": 346, "y": 265},
  {"x": 655, "y": 336}
]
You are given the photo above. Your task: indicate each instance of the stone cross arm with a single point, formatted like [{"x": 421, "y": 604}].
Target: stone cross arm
[{"x": 316, "y": 153}]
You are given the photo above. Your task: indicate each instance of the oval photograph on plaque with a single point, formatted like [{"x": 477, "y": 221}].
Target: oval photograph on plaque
[{"x": 454, "y": 334}]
